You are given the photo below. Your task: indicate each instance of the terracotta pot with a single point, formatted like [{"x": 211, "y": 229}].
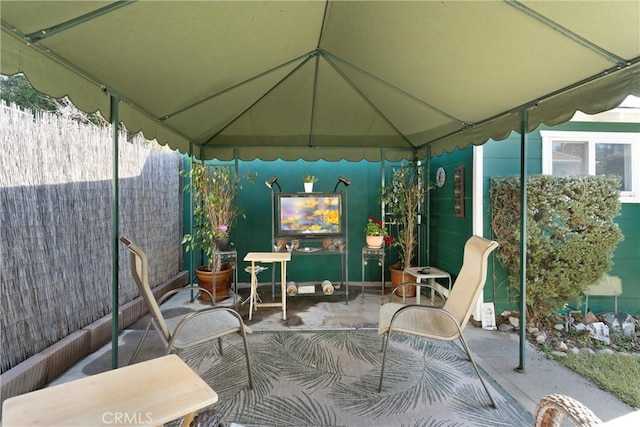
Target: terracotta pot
[
  {"x": 396, "y": 280},
  {"x": 374, "y": 241},
  {"x": 224, "y": 278}
]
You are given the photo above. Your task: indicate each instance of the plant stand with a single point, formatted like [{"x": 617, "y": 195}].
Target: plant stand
[{"x": 373, "y": 254}]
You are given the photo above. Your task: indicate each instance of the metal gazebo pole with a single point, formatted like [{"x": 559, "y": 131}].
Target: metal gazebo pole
[
  {"x": 523, "y": 237},
  {"x": 114, "y": 235}
]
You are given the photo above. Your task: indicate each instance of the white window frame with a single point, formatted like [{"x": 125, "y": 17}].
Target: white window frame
[{"x": 591, "y": 138}]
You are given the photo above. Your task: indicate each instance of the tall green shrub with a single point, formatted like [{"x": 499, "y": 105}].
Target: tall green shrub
[{"x": 571, "y": 235}]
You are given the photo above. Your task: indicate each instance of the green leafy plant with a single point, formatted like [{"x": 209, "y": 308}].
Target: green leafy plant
[
  {"x": 403, "y": 198},
  {"x": 571, "y": 235},
  {"x": 309, "y": 179},
  {"x": 216, "y": 210}
]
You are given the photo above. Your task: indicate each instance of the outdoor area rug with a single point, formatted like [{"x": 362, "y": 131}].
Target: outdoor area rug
[{"x": 330, "y": 378}]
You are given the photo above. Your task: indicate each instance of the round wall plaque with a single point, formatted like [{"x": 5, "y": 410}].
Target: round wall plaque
[{"x": 441, "y": 177}]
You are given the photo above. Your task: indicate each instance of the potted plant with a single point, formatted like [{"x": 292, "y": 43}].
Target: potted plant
[
  {"x": 376, "y": 233},
  {"x": 308, "y": 181},
  {"x": 402, "y": 199},
  {"x": 215, "y": 192}
]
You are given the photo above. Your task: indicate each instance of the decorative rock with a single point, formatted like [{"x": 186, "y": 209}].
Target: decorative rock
[
  {"x": 580, "y": 327},
  {"x": 559, "y": 354},
  {"x": 514, "y": 321},
  {"x": 573, "y": 350},
  {"x": 505, "y": 327},
  {"x": 590, "y": 318},
  {"x": 540, "y": 339},
  {"x": 606, "y": 351},
  {"x": 587, "y": 350},
  {"x": 599, "y": 331},
  {"x": 533, "y": 330},
  {"x": 558, "y": 327},
  {"x": 561, "y": 346}
]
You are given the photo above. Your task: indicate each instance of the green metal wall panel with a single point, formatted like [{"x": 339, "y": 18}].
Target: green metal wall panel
[
  {"x": 253, "y": 233},
  {"x": 449, "y": 233}
]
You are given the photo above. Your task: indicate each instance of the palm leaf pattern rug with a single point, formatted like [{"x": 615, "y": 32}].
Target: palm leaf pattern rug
[{"x": 330, "y": 378}]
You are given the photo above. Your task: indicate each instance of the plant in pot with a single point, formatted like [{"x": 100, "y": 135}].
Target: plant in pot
[
  {"x": 376, "y": 233},
  {"x": 215, "y": 209},
  {"x": 402, "y": 199},
  {"x": 308, "y": 181}
]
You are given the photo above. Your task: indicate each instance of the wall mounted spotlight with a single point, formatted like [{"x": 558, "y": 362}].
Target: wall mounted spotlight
[
  {"x": 273, "y": 180},
  {"x": 341, "y": 179}
]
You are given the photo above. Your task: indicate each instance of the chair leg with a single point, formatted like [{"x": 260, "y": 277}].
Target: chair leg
[
  {"x": 468, "y": 351},
  {"x": 246, "y": 353},
  {"x": 220, "y": 345},
  {"x": 144, "y": 336},
  {"x": 385, "y": 346}
]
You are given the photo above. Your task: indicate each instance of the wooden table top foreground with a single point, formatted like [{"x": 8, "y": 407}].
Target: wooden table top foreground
[{"x": 147, "y": 393}]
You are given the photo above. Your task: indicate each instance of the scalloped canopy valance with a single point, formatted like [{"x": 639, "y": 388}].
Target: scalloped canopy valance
[{"x": 327, "y": 79}]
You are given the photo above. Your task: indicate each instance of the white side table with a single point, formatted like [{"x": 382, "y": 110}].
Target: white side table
[
  {"x": 430, "y": 274},
  {"x": 272, "y": 257}
]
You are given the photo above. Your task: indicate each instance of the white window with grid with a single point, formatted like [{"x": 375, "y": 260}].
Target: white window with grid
[{"x": 567, "y": 153}]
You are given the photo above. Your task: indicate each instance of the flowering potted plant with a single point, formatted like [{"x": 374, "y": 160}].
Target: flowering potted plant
[
  {"x": 376, "y": 233},
  {"x": 222, "y": 239}
]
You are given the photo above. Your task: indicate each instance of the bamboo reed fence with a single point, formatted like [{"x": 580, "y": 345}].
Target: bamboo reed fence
[{"x": 55, "y": 225}]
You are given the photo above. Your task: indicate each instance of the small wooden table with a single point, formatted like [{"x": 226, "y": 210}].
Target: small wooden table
[
  {"x": 149, "y": 393},
  {"x": 429, "y": 273},
  {"x": 280, "y": 257}
]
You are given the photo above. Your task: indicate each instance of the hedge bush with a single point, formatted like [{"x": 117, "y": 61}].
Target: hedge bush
[{"x": 571, "y": 235}]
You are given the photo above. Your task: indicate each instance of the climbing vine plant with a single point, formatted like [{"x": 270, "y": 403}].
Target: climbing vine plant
[{"x": 571, "y": 235}]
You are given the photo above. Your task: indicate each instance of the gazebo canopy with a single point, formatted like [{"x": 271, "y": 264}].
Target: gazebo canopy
[{"x": 327, "y": 79}]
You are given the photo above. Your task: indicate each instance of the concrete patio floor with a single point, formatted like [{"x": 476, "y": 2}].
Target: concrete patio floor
[{"x": 497, "y": 353}]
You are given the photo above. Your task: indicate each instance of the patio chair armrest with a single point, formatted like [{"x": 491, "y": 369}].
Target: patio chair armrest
[
  {"x": 244, "y": 329},
  {"x": 209, "y": 310},
  {"x": 172, "y": 292},
  {"x": 423, "y": 285}
]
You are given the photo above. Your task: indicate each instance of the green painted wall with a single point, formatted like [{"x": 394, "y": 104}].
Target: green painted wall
[
  {"x": 253, "y": 234},
  {"x": 448, "y": 233}
]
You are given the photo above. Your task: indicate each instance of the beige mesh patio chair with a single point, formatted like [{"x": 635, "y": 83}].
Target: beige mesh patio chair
[
  {"x": 192, "y": 329},
  {"x": 442, "y": 323}
]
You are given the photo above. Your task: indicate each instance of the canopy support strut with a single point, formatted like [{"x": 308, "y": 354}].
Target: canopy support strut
[
  {"x": 523, "y": 236},
  {"x": 114, "y": 235}
]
